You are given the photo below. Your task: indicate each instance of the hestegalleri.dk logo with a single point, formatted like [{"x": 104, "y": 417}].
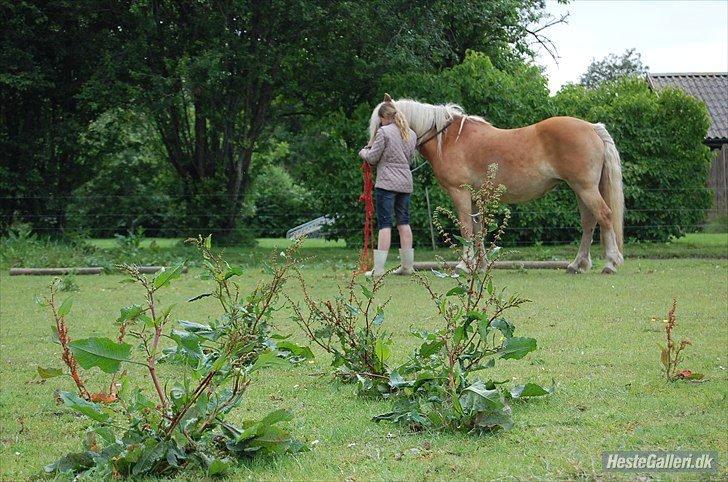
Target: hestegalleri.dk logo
[{"x": 679, "y": 461}]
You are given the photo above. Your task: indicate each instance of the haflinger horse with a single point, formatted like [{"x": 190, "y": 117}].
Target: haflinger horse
[{"x": 531, "y": 161}]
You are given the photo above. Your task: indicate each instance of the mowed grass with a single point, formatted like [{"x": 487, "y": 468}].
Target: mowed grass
[
  {"x": 107, "y": 253},
  {"x": 597, "y": 335}
]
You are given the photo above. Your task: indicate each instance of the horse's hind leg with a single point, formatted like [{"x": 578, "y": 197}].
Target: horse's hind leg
[
  {"x": 583, "y": 262},
  {"x": 599, "y": 209}
]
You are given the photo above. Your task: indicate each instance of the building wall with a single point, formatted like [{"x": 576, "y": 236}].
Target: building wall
[{"x": 718, "y": 182}]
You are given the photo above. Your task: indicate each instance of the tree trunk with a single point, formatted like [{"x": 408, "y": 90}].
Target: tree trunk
[
  {"x": 201, "y": 151},
  {"x": 258, "y": 104}
]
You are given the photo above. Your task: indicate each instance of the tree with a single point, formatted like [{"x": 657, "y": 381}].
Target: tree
[
  {"x": 131, "y": 180},
  {"x": 613, "y": 67},
  {"x": 48, "y": 50},
  {"x": 215, "y": 75}
]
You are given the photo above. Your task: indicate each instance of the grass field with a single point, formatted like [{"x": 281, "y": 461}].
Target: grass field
[
  {"x": 40, "y": 253},
  {"x": 598, "y": 339}
]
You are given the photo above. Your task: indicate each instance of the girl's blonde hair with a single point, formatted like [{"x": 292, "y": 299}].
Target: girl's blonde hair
[{"x": 388, "y": 110}]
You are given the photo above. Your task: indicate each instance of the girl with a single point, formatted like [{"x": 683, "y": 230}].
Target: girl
[{"x": 391, "y": 151}]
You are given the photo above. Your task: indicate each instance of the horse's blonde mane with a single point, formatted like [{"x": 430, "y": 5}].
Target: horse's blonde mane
[{"x": 422, "y": 117}]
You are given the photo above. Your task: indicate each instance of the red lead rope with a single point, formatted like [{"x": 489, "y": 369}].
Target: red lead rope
[{"x": 367, "y": 197}]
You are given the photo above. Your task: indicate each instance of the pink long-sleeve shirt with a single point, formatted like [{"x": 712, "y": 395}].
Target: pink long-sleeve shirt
[{"x": 392, "y": 156}]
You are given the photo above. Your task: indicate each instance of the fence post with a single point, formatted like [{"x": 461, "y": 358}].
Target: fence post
[{"x": 429, "y": 215}]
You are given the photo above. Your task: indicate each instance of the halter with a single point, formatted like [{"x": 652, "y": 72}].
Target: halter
[{"x": 422, "y": 142}]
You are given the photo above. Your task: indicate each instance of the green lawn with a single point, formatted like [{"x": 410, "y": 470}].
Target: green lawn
[
  {"x": 265, "y": 243},
  {"x": 107, "y": 252},
  {"x": 598, "y": 339}
]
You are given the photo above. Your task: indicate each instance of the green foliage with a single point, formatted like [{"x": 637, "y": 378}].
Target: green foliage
[
  {"x": 123, "y": 146},
  {"x": 349, "y": 327},
  {"x": 324, "y": 157},
  {"x": 68, "y": 283},
  {"x": 129, "y": 245},
  {"x": 22, "y": 248},
  {"x": 100, "y": 352},
  {"x": 246, "y": 318},
  {"x": 164, "y": 127},
  {"x": 279, "y": 203},
  {"x": 211, "y": 76},
  {"x": 613, "y": 67},
  {"x": 48, "y": 51},
  {"x": 204, "y": 86},
  {"x": 434, "y": 389},
  {"x": 186, "y": 427},
  {"x": 513, "y": 96},
  {"x": 665, "y": 164},
  {"x": 719, "y": 224}
]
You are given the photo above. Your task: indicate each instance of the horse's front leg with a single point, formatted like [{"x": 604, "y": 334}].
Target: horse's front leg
[
  {"x": 479, "y": 236},
  {"x": 462, "y": 200}
]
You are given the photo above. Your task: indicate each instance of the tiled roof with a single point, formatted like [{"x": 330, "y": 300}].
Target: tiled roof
[{"x": 711, "y": 88}]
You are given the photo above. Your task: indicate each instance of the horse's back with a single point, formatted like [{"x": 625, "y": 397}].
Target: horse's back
[
  {"x": 572, "y": 148},
  {"x": 567, "y": 133}
]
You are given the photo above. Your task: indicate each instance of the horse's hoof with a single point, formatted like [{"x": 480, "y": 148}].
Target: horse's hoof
[{"x": 609, "y": 270}]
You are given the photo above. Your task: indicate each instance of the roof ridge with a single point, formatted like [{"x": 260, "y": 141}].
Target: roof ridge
[{"x": 688, "y": 74}]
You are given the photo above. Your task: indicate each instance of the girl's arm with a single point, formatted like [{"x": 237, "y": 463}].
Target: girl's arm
[{"x": 374, "y": 153}]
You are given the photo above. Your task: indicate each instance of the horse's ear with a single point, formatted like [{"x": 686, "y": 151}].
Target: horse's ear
[{"x": 387, "y": 98}]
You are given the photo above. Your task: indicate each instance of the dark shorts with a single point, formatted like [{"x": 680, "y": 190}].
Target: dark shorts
[{"x": 388, "y": 203}]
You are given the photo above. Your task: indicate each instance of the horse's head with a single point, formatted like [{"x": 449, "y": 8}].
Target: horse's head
[
  {"x": 420, "y": 116},
  {"x": 374, "y": 122}
]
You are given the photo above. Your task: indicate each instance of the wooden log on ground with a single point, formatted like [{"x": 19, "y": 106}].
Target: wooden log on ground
[
  {"x": 428, "y": 265},
  {"x": 154, "y": 269},
  {"x": 80, "y": 271},
  {"x": 53, "y": 271}
]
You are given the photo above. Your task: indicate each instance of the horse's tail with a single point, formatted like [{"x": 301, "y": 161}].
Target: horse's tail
[{"x": 610, "y": 185}]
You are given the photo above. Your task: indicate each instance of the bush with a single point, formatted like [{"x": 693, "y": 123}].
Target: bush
[
  {"x": 279, "y": 203},
  {"x": 24, "y": 248},
  {"x": 324, "y": 157},
  {"x": 135, "y": 185},
  {"x": 660, "y": 139},
  {"x": 132, "y": 182}
]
